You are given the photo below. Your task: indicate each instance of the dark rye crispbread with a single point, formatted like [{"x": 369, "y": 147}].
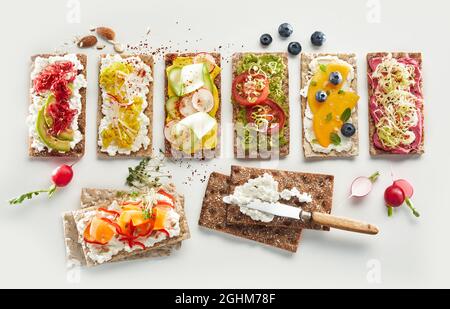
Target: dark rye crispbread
[
  {"x": 78, "y": 150},
  {"x": 374, "y": 151},
  {"x": 320, "y": 187},
  {"x": 283, "y": 151},
  {"x": 306, "y": 75},
  {"x": 92, "y": 199},
  {"x": 213, "y": 216},
  {"x": 202, "y": 154},
  {"x": 141, "y": 153}
]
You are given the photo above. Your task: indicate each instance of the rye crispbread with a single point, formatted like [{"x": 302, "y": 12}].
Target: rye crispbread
[
  {"x": 202, "y": 154},
  {"x": 79, "y": 149},
  {"x": 306, "y": 75},
  {"x": 92, "y": 199},
  {"x": 374, "y": 151},
  {"x": 213, "y": 216},
  {"x": 141, "y": 153},
  {"x": 283, "y": 151},
  {"x": 320, "y": 187}
]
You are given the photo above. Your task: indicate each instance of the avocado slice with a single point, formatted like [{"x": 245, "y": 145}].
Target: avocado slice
[
  {"x": 67, "y": 134},
  {"x": 49, "y": 140}
]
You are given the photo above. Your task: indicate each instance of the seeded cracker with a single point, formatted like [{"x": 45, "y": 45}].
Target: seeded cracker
[
  {"x": 213, "y": 216},
  {"x": 320, "y": 187}
]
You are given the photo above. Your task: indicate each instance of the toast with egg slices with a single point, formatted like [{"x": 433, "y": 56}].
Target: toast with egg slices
[{"x": 124, "y": 123}]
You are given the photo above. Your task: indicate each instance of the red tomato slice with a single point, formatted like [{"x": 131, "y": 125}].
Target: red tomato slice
[
  {"x": 267, "y": 111},
  {"x": 249, "y": 90}
]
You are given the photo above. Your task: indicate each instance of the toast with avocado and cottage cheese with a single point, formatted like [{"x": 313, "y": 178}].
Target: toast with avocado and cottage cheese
[
  {"x": 57, "y": 110},
  {"x": 114, "y": 226},
  {"x": 396, "y": 109},
  {"x": 260, "y": 97},
  {"x": 125, "y": 106},
  {"x": 192, "y": 107},
  {"x": 329, "y": 105}
]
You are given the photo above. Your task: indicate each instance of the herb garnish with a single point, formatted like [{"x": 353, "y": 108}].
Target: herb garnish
[
  {"x": 341, "y": 91},
  {"x": 28, "y": 196},
  {"x": 329, "y": 117},
  {"x": 346, "y": 115},
  {"x": 323, "y": 68},
  {"x": 313, "y": 83},
  {"x": 147, "y": 173},
  {"x": 335, "y": 139}
]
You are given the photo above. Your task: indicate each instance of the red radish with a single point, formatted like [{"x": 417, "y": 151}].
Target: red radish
[
  {"x": 362, "y": 186},
  {"x": 398, "y": 193},
  {"x": 61, "y": 177},
  {"x": 405, "y": 186}
]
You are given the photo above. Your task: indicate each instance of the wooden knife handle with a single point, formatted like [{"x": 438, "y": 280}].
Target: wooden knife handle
[{"x": 343, "y": 224}]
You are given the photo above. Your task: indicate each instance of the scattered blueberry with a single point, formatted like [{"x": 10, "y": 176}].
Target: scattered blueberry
[
  {"x": 335, "y": 78},
  {"x": 321, "y": 96},
  {"x": 285, "y": 30},
  {"x": 318, "y": 38},
  {"x": 294, "y": 48},
  {"x": 265, "y": 39},
  {"x": 348, "y": 130}
]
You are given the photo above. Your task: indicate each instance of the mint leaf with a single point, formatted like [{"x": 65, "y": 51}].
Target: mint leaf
[
  {"x": 329, "y": 117},
  {"x": 341, "y": 91},
  {"x": 335, "y": 139},
  {"x": 346, "y": 115},
  {"x": 313, "y": 83},
  {"x": 323, "y": 68}
]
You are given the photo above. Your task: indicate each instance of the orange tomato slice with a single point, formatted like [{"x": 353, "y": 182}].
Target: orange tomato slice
[
  {"x": 160, "y": 215},
  {"x": 98, "y": 231}
]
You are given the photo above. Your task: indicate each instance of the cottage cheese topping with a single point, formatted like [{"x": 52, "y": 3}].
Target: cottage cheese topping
[
  {"x": 80, "y": 82},
  {"x": 262, "y": 190},
  {"x": 346, "y": 143},
  {"x": 135, "y": 85},
  {"x": 104, "y": 253}
]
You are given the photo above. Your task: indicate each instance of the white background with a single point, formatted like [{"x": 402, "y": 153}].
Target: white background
[{"x": 408, "y": 253}]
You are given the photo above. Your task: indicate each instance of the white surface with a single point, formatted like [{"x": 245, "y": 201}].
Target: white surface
[{"x": 408, "y": 252}]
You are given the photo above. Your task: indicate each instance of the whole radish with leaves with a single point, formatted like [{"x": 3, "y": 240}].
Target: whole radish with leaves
[
  {"x": 399, "y": 193},
  {"x": 61, "y": 177}
]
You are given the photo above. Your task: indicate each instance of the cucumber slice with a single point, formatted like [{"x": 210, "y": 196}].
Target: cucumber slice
[
  {"x": 174, "y": 78},
  {"x": 171, "y": 107},
  {"x": 207, "y": 78}
]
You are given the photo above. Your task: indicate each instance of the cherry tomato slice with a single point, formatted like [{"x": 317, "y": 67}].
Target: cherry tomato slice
[
  {"x": 267, "y": 112},
  {"x": 249, "y": 90}
]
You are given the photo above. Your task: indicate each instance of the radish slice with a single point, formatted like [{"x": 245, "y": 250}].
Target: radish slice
[
  {"x": 186, "y": 108},
  {"x": 362, "y": 186},
  {"x": 177, "y": 134},
  {"x": 207, "y": 59},
  {"x": 406, "y": 187},
  {"x": 203, "y": 100}
]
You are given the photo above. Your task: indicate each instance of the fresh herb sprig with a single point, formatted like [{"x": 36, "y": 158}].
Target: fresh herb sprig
[
  {"x": 147, "y": 173},
  {"x": 28, "y": 196}
]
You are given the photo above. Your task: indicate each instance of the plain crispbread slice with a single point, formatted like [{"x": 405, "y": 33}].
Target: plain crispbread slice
[
  {"x": 91, "y": 199},
  {"x": 79, "y": 148},
  {"x": 320, "y": 187},
  {"x": 374, "y": 151},
  {"x": 141, "y": 153},
  {"x": 306, "y": 59},
  {"x": 213, "y": 216},
  {"x": 202, "y": 154},
  {"x": 284, "y": 150}
]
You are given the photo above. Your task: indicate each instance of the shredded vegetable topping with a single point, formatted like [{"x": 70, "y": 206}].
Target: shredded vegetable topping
[{"x": 397, "y": 109}]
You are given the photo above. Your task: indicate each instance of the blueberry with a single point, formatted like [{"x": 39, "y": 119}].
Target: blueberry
[
  {"x": 348, "y": 130},
  {"x": 285, "y": 30},
  {"x": 321, "y": 96},
  {"x": 265, "y": 39},
  {"x": 335, "y": 78},
  {"x": 318, "y": 38},
  {"x": 294, "y": 48}
]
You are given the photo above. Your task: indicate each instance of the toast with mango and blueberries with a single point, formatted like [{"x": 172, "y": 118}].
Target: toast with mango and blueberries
[{"x": 329, "y": 105}]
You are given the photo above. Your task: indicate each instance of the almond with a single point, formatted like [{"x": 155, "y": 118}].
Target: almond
[
  {"x": 106, "y": 33},
  {"x": 87, "y": 41}
]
